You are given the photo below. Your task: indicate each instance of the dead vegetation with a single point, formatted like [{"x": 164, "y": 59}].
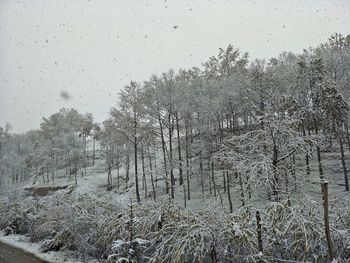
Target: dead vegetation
[{"x": 162, "y": 232}]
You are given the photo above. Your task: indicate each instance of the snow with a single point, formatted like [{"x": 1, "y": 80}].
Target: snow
[
  {"x": 23, "y": 243},
  {"x": 94, "y": 185}
]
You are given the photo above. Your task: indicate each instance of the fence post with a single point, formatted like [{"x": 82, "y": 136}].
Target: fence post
[
  {"x": 326, "y": 218},
  {"x": 258, "y": 222}
]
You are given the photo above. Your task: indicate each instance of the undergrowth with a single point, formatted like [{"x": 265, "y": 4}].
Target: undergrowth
[{"x": 164, "y": 232}]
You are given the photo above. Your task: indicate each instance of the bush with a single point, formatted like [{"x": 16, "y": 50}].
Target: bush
[{"x": 162, "y": 232}]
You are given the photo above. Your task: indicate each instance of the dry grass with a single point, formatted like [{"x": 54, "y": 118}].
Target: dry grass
[{"x": 168, "y": 233}]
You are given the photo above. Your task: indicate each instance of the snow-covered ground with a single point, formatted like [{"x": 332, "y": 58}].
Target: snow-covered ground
[
  {"x": 94, "y": 184},
  {"x": 23, "y": 243}
]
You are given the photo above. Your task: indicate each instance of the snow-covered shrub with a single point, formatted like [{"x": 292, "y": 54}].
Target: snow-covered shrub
[
  {"x": 110, "y": 228},
  {"x": 131, "y": 251},
  {"x": 163, "y": 232},
  {"x": 116, "y": 225},
  {"x": 50, "y": 245},
  {"x": 16, "y": 216},
  {"x": 239, "y": 236},
  {"x": 341, "y": 240},
  {"x": 295, "y": 232},
  {"x": 43, "y": 231},
  {"x": 205, "y": 236}
]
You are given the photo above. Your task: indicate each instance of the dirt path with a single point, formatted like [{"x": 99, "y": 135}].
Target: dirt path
[{"x": 9, "y": 254}]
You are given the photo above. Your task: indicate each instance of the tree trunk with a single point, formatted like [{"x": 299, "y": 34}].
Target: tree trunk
[
  {"x": 286, "y": 180},
  {"x": 184, "y": 189},
  {"x": 118, "y": 174},
  {"x": 172, "y": 179},
  {"x": 307, "y": 155},
  {"x": 155, "y": 164},
  {"x": 224, "y": 180},
  {"x": 209, "y": 175},
  {"x": 164, "y": 155},
  {"x": 213, "y": 178},
  {"x": 347, "y": 134},
  {"x": 275, "y": 176},
  {"x": 53, "y": 169},
  {"x": 144, "y": 181},
  {"x": 187, "y": 165},
  {"x": 346, "y": 179},
  {"x": 127, "y": 168},
  {"x": 135, "y": 155},
  {"x": 47, "y": 174},
  {"x": 242, "y": 190},
  {"x": 179, "y": 149},
  {"x": 84, "y": 152},
  {"x": 93, "y": 152},
  {"x": 201, "y": 170},
  {"x": 294, "y": 173},
  {"x": 249, "y": 188},
  {"x": 320, "y": 167},
  {"x": 259, "y": 230},
  {"x": 109, "y": 177},
  {"x": 75, "y": 173},
  {"x": 228, "y": 191},
  {"x": 151, "y": 171}
]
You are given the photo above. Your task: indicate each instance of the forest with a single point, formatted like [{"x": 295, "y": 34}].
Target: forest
[{"x": 237, "y": 160}]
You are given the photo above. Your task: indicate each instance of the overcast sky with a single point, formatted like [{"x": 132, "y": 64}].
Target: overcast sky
[{"x": 91, "y": 49}]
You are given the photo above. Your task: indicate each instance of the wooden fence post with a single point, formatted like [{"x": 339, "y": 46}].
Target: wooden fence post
[
  {"x": 326, "y": 218},
  {"x": 258, "y": 222}
]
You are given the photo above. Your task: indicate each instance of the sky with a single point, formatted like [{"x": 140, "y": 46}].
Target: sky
[{"x": 80, "y": 53}]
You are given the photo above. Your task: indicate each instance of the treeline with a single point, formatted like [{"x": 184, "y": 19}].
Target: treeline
[
  {"x": 241, "y": 118},
  {"x": 59, "y": 143},
  {"x": 248, "y": 119}
]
